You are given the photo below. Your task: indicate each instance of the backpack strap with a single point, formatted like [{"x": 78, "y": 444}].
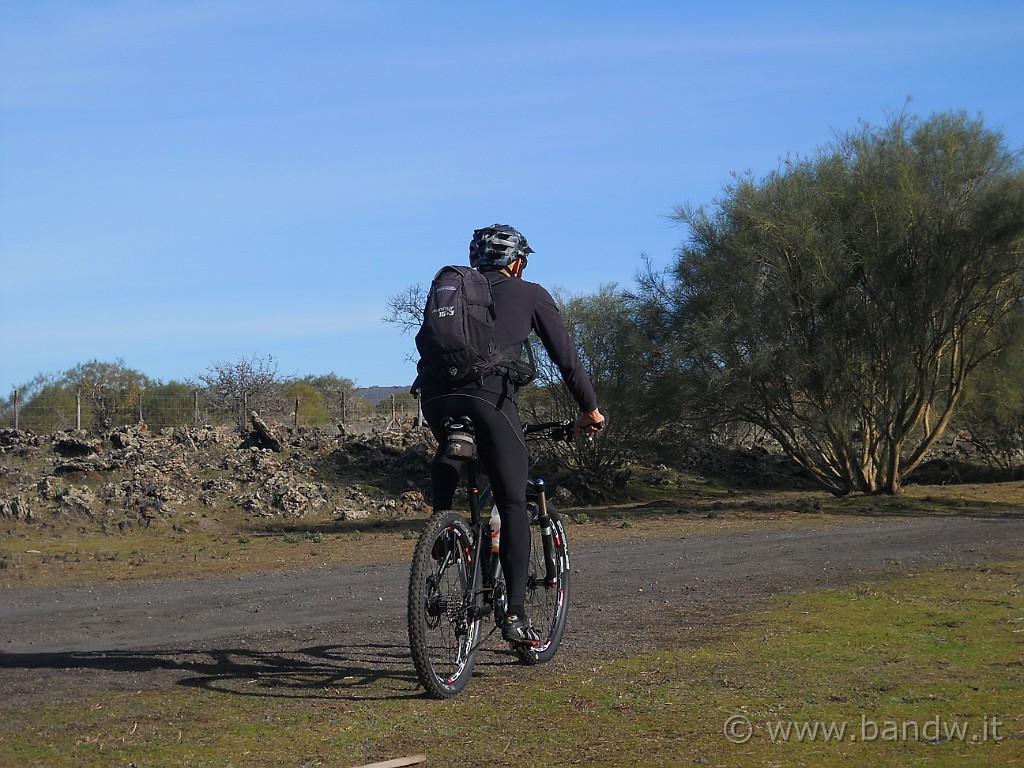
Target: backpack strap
[{"x": 518, "y": 372}]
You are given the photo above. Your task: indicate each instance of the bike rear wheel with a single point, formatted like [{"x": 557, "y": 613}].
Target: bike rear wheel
[
  {"x": 444, "y": 630},
  {"x": 547, "y": 602}
]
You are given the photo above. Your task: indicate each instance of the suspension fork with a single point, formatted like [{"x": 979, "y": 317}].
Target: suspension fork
[{"x": 547, "y": 536}]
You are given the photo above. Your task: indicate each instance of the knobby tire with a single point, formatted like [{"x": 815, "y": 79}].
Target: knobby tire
[
  {"x": 546, "y": 605},
  {"x": 443, "y": 633}
]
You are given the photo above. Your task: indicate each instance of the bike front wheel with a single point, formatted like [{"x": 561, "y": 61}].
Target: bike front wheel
[
  {"x": 547, "y": 600},
  {"x": 444, "y": 630}
]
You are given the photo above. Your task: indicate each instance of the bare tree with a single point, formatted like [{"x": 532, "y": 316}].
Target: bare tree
[
  {"x": 406, "y": 308},
  {"x": 236, "y": 388}
]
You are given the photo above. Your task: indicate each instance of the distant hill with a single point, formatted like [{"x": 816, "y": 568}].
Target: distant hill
[{"x": 377, "y": 394}]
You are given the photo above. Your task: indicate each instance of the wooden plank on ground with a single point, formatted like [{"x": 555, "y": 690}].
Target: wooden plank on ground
[{"x": 399, "y": 762}]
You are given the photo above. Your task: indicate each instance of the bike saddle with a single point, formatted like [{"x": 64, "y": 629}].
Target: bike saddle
[{"x": 461, "y": 444}]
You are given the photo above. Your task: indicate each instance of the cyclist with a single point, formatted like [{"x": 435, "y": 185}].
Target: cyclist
[{"x": 500, "y": 253}]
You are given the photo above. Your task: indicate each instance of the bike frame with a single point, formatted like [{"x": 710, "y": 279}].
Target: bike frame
[
  {"x": 535, "y": 490},
  {"x": 476, "y": 524}
]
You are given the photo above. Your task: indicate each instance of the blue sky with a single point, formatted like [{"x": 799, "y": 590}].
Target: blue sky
[{"x": 183, "y": 183}]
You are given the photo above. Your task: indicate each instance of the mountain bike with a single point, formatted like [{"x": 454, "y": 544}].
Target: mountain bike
[{"x": 456, "y": 582}]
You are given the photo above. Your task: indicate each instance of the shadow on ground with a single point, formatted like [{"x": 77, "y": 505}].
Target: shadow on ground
[{"x": 357, "y": 672}]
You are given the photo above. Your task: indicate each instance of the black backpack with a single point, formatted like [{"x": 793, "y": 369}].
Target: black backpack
[{"x": 456, "y": 339}]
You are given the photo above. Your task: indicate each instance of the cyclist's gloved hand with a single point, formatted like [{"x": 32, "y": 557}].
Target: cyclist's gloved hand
[{"x": 589, "y": 422}]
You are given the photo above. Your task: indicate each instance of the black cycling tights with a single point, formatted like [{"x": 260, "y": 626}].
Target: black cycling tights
[{"x": 502, "y": 451}]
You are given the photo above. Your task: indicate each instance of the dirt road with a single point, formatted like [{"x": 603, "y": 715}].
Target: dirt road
[{"x": 345, "y": 626}]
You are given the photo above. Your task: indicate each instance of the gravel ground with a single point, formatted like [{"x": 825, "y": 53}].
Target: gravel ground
[{"x": 339, "y": 629}]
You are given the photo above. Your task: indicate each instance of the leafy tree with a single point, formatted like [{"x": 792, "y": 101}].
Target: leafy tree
[
  {"x": 993, "y": 409},
  {"x": 311, "y": 403},
  {"x": 46, "y": 404},
  {"x": 111, "y": 389},
  {"x": 614, "y": 353},
  {"x": 841, "y": 303},
  {"x": 109, "y": 393},
  {"x": 340, "y": 398},
  {"x": 168, "y": 405}
]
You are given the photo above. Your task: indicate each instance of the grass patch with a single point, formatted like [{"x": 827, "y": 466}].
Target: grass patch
[{"x": 922, "y": 670}]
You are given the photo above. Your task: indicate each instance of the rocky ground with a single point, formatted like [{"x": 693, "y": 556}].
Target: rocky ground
[{"x": 131, "y": 478}]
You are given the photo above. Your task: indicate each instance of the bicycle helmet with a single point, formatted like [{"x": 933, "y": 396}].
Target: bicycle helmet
[{"x": 497, "y": 246}]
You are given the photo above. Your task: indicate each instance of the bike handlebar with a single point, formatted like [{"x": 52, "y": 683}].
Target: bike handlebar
[
  {"x": 557, "y": 430},
  {"x": 545, "y": 426}
]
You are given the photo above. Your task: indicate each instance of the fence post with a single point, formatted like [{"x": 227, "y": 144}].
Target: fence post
[
  {"x": 296, "y": 413},
  {"x": 78, "y": 409},
  {"x": 343, "y": 407},
  {"x": 195, "y": 407},
  {"x": 16, "y": 409},
  {"x": 140, "y": 407}
]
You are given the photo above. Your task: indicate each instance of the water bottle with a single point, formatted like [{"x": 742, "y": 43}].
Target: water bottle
[{"x": 495, "y": 526}]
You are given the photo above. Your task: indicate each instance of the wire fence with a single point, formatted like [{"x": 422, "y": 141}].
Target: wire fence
[{"x": 74, "y": 410}]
